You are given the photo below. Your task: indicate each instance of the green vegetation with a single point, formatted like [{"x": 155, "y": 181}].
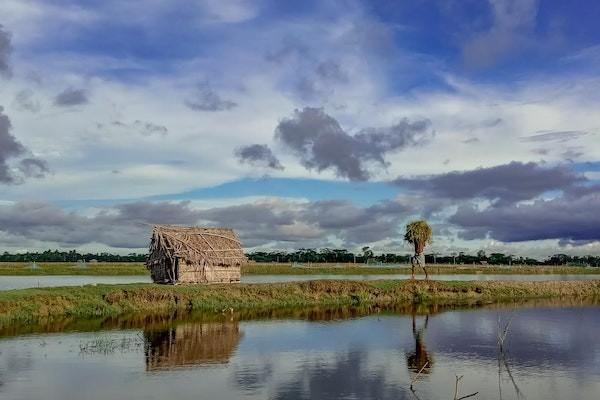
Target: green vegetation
[
  {"x": 32, "y": 305},
  {"x": 324, "y": 255},
  {"x": 71, "y": 256}
]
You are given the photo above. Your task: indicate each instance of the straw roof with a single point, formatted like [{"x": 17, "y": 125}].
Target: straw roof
[{"x": 216, "y": 246}]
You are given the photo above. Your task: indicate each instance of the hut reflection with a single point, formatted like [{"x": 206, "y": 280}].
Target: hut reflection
[
  {"x": 191, "y": 344},
  {"x": 419, "y": 361}
]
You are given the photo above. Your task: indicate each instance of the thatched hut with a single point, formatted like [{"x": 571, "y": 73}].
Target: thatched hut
[{"x": 181, "y": 254}]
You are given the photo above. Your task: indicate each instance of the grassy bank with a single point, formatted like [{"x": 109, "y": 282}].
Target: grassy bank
[
  {"x": 114, "y": 269},
  {"x": 31, "y": 305}
]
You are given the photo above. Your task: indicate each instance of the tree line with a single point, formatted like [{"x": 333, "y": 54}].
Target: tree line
[
  {"x": 70, "y": 256},
  {"x": 326, "y": 255},
  {"x": 367, "y": 256}
]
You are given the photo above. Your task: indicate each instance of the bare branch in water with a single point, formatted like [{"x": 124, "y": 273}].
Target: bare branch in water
[
  {"x": 458, "y": 378},
  {"x": 413, "y": 380}
]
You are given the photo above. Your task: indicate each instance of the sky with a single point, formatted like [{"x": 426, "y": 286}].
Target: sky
[{"x": 301, "y": 124}]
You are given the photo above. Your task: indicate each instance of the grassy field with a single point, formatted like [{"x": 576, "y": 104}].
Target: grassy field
[
  {"x": 87, "y": 302},
  {"x": 284, "y": 269}
]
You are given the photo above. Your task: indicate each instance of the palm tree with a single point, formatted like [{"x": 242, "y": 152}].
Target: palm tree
[{"x": 418, "y": 233}]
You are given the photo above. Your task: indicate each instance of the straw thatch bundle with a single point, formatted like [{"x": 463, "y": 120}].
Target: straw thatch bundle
[
  {"x": 419, "y": 234},
  {"x": 194, "y": 254}
]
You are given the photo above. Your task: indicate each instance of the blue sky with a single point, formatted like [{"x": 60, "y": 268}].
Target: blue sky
[{"x": 335, "y": 121}]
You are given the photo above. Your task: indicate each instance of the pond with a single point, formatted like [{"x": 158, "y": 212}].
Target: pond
[
  {"x": 550, "y": 352},
  {"x": 23, "y": 282}
]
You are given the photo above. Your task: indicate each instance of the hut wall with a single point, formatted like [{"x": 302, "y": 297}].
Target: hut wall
[
  {"x": 207, "y": 273},
  {"x": 159, "y": 272}
]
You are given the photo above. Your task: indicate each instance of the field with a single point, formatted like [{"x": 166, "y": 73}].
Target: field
[
  {"x": 111, "y": 269},
  {"x": 33, "y": 305}
]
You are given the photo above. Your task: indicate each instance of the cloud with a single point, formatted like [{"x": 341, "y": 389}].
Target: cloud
[
  {"x": 505, "y": 184},
  {"x": 259, "y": 155},
  {"x": 554, "y": 136},
  {"x": 571, "y": 217},
  {"x": 231, "y": 11},
  {"x": 10, "y": 148},
  {"x": 206, "y": 99},
  {"x": 5, "y": 52},
  {"x": 260, "y": 223},
  {"x": 25, "y": 101},
  {"x": 71, "y": 97},
  {"x": 144, "y": 128},
  {"x": 319, "y": 82},
  {"x": 321, "y": 143},
  {"x": 302, "y": 224},
  {"x": 513, "y": 25},
  {"x": 33, "y": 167},
  {"x": 126, "y": 226}
]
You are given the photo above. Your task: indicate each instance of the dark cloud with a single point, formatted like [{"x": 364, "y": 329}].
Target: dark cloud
[
  {"x": 321, "y": 143},
  {"x": 507, "y": 183},
  {"x": 319, "y": 82},
  {"x": 144, "y": 128},
  {"x": 206, "y": 99},
  {"x": 273, "y": 222},
  {"x": 71, "y": 97},
  {"x": 298, "y": 223},
  {"x": 572, "y": 153},
  {"x": 12, "y": 150},
  {"x": 5, "y": 52},
  {"x": 331, "y": 71},
  {"x": 126, "y": 225},
  {"x": 575, "y": 216},
  {"x": 259, "y": 155},
  {"x": 33, "y": 167},
  {"x": 9, "y": 148},
  {"x": 25, "y": 100},
  {"x": 554, "y": 136}
]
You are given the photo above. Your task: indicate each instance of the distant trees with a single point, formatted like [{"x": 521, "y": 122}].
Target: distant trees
[
  {"x": 326, "y": 255},
  {"x": 69, "y": 256}
]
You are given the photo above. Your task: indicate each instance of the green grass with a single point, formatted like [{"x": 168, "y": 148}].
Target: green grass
[
  {"x": 112, "y": 269},
  {"x": 87, "y": 302}
]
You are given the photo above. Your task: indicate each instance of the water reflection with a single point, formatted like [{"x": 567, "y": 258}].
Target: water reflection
[
  {"x": 191, "y": 344},
  {"x": 551, "y": 352},
  {"x": 419, "y": 361}
]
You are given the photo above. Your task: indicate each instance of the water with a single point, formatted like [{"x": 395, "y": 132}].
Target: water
[
  {"x": 551, "y": 352},
  {"x": 23, "y": 282}
]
